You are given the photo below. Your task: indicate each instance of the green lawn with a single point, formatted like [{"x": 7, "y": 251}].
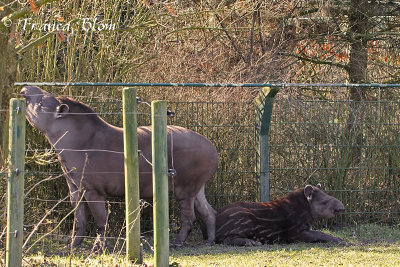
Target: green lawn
[
  {"x": 367, "y": 245},
  {"x": 295, "y": 255}
]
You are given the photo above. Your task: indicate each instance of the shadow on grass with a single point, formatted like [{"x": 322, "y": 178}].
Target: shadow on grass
[{"x": 357, "y": 238}]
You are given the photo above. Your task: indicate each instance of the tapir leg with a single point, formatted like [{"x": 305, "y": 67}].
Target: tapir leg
[
  {"x": 97, "y": 207},
  {"x": 317, "y": 236},
  {"x": 81, "y": 222},
  {"x": 187, "y": 217},
  {"x": 207, "y": 214},
  {"x": 81, "y": 214},
  {"x": 240, "y": 241}
]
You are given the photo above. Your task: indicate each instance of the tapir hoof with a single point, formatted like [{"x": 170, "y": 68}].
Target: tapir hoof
[
  {"x": 338, "y": 240},
  {"x": 101, "y": 246},
  {"x": 76, "y": 243},
  {"x": 209, "y": 242},
  {"x": 239, "y": 241},
  {"x": 253, "y": 243},
  {"x": 177, "y": 244}
]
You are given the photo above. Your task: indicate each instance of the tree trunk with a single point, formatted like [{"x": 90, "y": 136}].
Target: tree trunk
[
  {"x": 8, "y": 70},
  {"x": 358, "y": 58},
  {"x": 357, "y": 71}
]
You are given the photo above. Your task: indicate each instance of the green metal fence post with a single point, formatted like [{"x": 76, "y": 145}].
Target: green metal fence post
[
  {"x": 263, "y": 104},
  {"x": 132, "y": 204},
  {"x": 160, "y": 182},
  {"x": 15, "y": 200}
]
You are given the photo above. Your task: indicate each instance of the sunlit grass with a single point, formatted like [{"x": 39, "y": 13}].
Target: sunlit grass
[{"x": 367, "y": 245}]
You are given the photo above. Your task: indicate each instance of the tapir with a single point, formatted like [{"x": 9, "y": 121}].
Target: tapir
[
  {"x": 90, "y": 151},
  {"x": 287, "y": 219}
]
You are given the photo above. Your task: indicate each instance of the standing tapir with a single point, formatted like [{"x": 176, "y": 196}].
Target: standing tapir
[
  {"x": 91, "y": 155},
  {"x": 287, "y": 219}
]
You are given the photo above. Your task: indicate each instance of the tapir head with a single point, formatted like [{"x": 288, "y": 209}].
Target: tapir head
[
  {"x": 322, "y": 205},
  {"x": 42, "y": 108}
]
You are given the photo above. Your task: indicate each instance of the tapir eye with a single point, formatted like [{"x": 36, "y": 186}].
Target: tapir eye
[{"x": 325, "y": 202}]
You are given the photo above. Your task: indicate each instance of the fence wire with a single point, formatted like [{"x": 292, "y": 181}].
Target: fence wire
[{"x": 353, "y": 151}]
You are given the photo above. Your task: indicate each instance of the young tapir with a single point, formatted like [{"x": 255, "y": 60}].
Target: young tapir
[
  {"x": 91, "y": 154},
  {"x": 287, "y": 219}
]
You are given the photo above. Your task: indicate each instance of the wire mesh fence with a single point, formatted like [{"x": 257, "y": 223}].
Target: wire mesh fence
[
  {"x": 219, "y": 122},
  {"x": 351, "y": 148}
]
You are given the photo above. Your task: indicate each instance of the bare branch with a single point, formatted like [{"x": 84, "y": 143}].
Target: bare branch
[
  {"x": 253, "y": 22},
  {"x": 316, "y": 61},
  {"x": 227, "y": 34}
]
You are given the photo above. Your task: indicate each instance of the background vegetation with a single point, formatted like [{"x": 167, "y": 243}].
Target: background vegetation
[{"x": 346, "y": 139}]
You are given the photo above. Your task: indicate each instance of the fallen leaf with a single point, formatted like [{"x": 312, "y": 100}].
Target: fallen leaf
[
  {"x": 33, "y": 6},
  {"x": 18, "y": 39},
  {"x": 170, "y": 10},
  {"x": 146, "y": 3},
  {"x": 60, "y": 36},
  {"x": 59, "y": 18},
  {"x": 11, "y": 37}
]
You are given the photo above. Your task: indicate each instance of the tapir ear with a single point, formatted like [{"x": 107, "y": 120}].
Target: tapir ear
[
  {"x": 308, "y": 191},
  {"x": 62, "y": 110},
  {"x": 319, "y": 186}
]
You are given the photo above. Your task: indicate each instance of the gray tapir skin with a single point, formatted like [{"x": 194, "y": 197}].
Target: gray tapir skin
[
  {"x": 287, "y": 219},
  {"x": 90, "y": 152}
]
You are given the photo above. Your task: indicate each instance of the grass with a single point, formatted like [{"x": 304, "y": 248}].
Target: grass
[
  {"x": 296, "y": 255},
  {"x": 367, "y": 245}
]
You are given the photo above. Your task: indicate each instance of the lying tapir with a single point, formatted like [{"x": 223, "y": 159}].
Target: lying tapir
[
  {"x": 287, "y": 219},
  {"x": 91, "y": 154}
]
